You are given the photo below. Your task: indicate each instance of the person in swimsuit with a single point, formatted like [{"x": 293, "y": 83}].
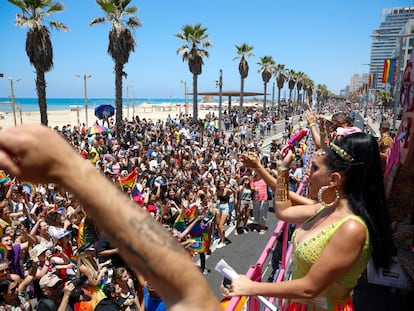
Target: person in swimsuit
[
  {"x": 222, "y": 210},
  {"x": 343, "y": 225}
]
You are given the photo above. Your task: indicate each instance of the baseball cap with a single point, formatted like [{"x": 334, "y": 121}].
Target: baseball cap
[
  {"x": 38, "y": 249},
  {"x": 49, "y": 280}
]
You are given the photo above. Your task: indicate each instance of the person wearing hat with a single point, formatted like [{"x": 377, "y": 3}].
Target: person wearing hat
[{"x": 57, "y": 295}]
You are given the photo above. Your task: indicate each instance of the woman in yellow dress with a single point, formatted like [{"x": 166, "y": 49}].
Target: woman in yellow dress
[{"x": 343, "y": 225}]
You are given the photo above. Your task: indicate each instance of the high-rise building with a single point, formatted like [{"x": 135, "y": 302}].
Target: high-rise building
[{"x": 388, "y": 39}]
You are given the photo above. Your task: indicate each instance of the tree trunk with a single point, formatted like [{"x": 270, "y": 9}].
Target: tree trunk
[
  {"x": 241, "y": 93},
  {"x": 195, "y": 102},
  {"x": 264, "y": 101},
  {"x": 278, "y": 102},
  {"x": 41, "y": 96},
  {"x": 118, "y": 98}
]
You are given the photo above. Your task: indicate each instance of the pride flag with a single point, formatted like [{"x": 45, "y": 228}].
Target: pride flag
[
  {"x": 179, "y": 223},
  {"x": 388, "y": 72},
  {"x": 372, "y": 80},
  {"x": 190, "y": 212},
  {"x": 129, "y": 180}
]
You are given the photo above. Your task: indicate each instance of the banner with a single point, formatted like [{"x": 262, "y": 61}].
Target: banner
[{"x": 388, "y": 72}]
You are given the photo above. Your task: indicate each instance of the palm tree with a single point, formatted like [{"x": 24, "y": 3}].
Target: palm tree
[
  {"x": 38, "y": 44},
  {"x": 243, "y": 51},
  {"x": 308, "y": 88},
  {"x": 281, "y": 77},
  {"x": 321, "y": 94},
  {"x": 121, "y": 43},
  {"x": 299, "y": 84},
  {"x": 193, "y": 52},
  {"x": 291, "y": 85},
  {"x": 266, "y": 68}
]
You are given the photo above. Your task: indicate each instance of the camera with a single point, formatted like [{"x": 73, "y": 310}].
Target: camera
[
  {"x": 55, "y": 251},
  {"x": 79, "y": 281}
]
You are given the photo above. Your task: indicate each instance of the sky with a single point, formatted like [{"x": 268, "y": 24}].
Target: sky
[{"x": 329, "y": 40}]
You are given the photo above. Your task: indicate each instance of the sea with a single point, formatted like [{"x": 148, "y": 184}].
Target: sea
[{"x": 31, "y": 104}]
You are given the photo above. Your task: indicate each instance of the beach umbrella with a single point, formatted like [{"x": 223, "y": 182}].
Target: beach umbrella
[
  {"x": 104, "y": 110},
  {"x": 97, "y": 129}
]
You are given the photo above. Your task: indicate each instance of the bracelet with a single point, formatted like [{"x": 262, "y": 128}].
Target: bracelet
[
  {"x": 322, "y": 133},
  {"x": 281, "y": 168},
  {"x": 282, "y": 191},
  {"x": 312, "y": 124}
]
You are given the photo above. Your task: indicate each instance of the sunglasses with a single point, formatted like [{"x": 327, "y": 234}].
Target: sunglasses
[{"x": 5, "y": 271}]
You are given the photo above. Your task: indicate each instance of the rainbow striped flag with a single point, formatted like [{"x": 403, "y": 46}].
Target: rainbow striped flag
[
  {"x": 190, "y": 212},
  {"x": 388, "y": 72},
  {"x": 372, "y": 79},
  {"x": 129, "y": 180},
  {"x": 179, "y": 223}
]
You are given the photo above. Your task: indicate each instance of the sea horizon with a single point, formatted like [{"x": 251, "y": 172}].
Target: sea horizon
[{"x": 31, "y": 104}]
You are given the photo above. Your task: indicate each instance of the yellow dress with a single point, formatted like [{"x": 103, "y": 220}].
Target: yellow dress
[{"x": 307, "y": 252}]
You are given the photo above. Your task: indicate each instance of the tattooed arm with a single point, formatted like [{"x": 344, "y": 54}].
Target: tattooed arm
[{"x": 38, "y": 154}]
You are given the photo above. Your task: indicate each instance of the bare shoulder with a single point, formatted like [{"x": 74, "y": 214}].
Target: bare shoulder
[{"x": 352, "y": 229}]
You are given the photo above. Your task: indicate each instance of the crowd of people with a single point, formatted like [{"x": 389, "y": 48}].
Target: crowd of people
[
  {"x": 191, "y": 179},
  {"x": 186, "y": 176}
]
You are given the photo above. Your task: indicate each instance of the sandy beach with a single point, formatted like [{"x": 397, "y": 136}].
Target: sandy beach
[{"x": 75, "y": 117}]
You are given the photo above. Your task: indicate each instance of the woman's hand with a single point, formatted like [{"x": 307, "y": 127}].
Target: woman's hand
[
  {"x": 241, "y": 286},
  {"x": 250, "y": 160}
]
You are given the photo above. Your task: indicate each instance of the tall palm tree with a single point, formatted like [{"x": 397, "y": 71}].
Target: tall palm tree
[
  {"x": 291, "y": 85},
  {"x": 281, "y": 77},
  {"x": 266, "y": 68},
  {"x": 243, "y": 51},
  {"x": 308, "y": 88},
  {"x": 121, "y": 43},
  {"x": 38, "y": 44},
  {"x": 193, "y": 52},
  {"x": 299, "y": 84}
]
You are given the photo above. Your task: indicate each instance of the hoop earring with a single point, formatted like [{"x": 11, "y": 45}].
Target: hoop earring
[{"x": 320, "y": 200}]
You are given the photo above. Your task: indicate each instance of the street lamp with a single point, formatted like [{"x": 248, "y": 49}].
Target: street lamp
[
  {"x": 127, "y": 98},
  {"x": 12, "y": 99},
  {"x": 185, "y": 96},
  {"x": 85, "y": 96},
  {"x": 219, "y": 83}
]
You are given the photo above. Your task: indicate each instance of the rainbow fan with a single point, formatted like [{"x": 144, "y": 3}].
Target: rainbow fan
[
  {"x": 3, "y": 252},
  {"x": 29, "y": 188}
]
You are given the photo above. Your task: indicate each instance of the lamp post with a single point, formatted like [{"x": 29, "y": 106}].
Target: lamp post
[
  {"x": 127, "y": 97},
  {"x": 220, "y": 85},
  {"x": 12, "y": 99},
  {"x": 85, "y": 96},
  {"x": 185, "y": 96},
  {"x": 273, "y": 98}
]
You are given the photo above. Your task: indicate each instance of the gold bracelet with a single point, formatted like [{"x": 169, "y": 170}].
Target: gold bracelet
[
  {"x": 323, "y": 133},
  {"x": 282, "y": 191},
  {"x": 312, "y": 124}
]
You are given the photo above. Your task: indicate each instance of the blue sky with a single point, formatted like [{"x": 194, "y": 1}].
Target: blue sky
[{"x": 329, "y": 40}]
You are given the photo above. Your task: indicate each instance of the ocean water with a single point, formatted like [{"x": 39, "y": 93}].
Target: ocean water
[{"x": 31, "y": 104}]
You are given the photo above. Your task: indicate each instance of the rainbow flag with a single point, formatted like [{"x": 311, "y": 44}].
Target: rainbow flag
[
  {"x": 179, "y": 223},
  {"x": 388, "y": 72},
  {"x": 190, "y": 212},
  {"x": 129, "y": 180},
  {"x": 74, "y": 259},
  {"x": 372, "y": 79}
]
